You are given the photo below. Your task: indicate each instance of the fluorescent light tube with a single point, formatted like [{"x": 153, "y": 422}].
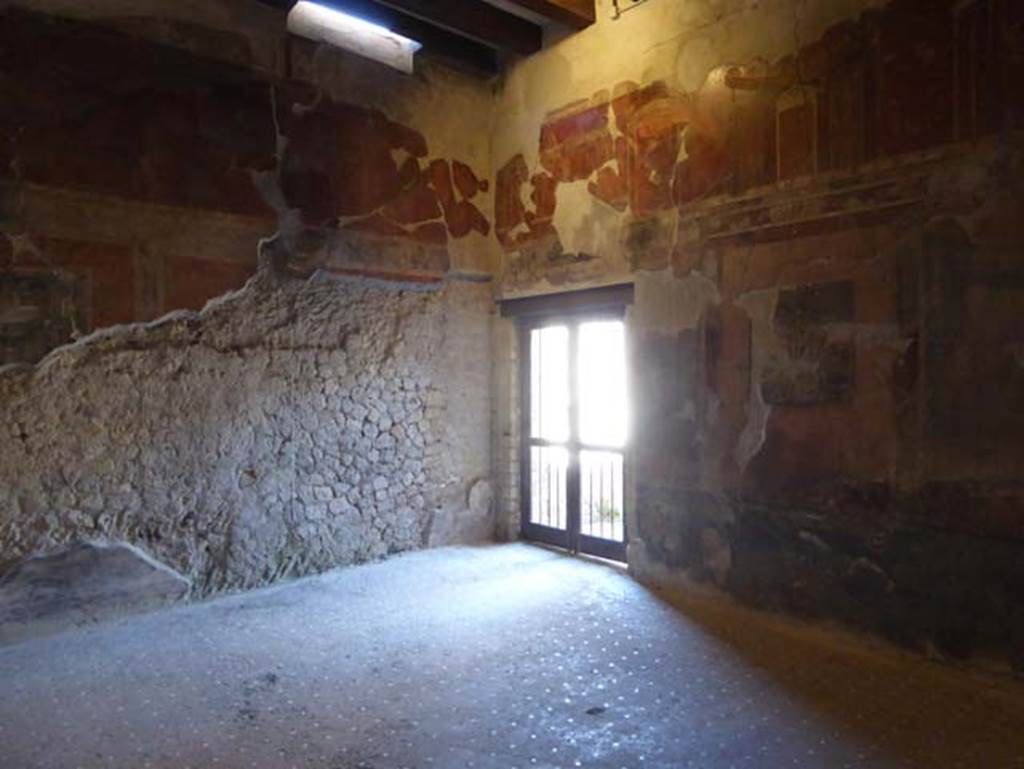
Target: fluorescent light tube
[{"x": 328, "y": 25}]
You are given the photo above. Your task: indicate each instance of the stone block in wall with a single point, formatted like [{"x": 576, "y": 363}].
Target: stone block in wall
[{"x": 82, "y": 584}]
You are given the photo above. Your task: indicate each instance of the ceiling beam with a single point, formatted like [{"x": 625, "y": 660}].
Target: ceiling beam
[
  {"x": 438, "y": 43},
  {"x": 577, "y": 14},
  {"x": 476, "y": 20}
]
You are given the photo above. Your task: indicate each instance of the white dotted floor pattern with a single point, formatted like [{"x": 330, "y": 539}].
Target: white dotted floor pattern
[{"x": 501, "y": 657}]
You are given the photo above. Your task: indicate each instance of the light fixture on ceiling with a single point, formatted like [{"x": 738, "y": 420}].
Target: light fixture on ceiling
[
  {"x": 620, "y": 7},
  {"x": 323, "y": 24}
]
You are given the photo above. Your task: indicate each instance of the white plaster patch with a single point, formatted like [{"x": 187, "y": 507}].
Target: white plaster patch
[
  {"x": 695, "y": 59},
  {"x": 760, "y": 306},
  {"x": 474, "y": 253},
  {"x": 586, "y": 226},
  {"x": 399, "y": 156},
  {"x": 668, "y": 305}
]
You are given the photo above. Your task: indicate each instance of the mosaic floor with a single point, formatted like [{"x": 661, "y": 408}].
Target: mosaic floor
[{"x": 508, "y": 657}]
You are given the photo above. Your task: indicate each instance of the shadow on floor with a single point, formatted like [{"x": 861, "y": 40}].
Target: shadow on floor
[{"x": 915, "y": 711}]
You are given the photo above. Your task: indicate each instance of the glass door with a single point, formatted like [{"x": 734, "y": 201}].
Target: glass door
[{"x": 575, "y": 425}]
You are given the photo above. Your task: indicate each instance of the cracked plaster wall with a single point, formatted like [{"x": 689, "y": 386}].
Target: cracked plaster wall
[
  {"x": 143, "y": 158},
  {"x": 822, "y": 226},
  {"x": 824, "y": 230},
  {"x": 239, "y": 423}
]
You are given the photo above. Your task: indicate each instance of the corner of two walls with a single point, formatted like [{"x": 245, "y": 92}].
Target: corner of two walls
[
  {"x": 317, "y": 228},
  {"x": 820, "y": 206},
  {"x": 821, "y": 224}
]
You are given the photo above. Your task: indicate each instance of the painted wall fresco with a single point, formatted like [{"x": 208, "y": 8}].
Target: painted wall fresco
[
  {"x": 911, "y": 76},
  {"x": 354, "y": 166},
  {"x": 826, "y": 333},
  {"x": 140, "y": 177}
]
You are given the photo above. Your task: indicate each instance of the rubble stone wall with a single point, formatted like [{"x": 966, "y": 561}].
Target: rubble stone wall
[{"x": 289, "y": 427}]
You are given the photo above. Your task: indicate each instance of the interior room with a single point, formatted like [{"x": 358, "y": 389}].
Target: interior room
[{"x": 410, "y": 384}]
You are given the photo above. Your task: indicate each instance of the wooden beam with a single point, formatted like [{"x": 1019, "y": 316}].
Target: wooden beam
[
  {"x": 577, "y": 14},
  {"x": 569, "y": 302},
  {"x": 476, "y": 20}
]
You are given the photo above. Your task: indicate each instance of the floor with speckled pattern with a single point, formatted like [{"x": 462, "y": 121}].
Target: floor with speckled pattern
[{"x": 508, "y": 657}]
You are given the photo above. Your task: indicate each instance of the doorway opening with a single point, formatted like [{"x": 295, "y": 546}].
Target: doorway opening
[{"x": 575, "y": 430}]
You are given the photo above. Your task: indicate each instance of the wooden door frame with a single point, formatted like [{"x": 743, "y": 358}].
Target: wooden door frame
[{"x": 571, "y": 309}]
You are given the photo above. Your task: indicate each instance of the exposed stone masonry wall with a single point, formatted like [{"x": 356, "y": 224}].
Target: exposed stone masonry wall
[{"x": 289, "y": 427}]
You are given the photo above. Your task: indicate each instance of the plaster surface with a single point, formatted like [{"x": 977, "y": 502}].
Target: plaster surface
[
  {"x": 500, "y": 657},
  {"x": 190, "y": 131},
  {"x": 823, "y": 231}
]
